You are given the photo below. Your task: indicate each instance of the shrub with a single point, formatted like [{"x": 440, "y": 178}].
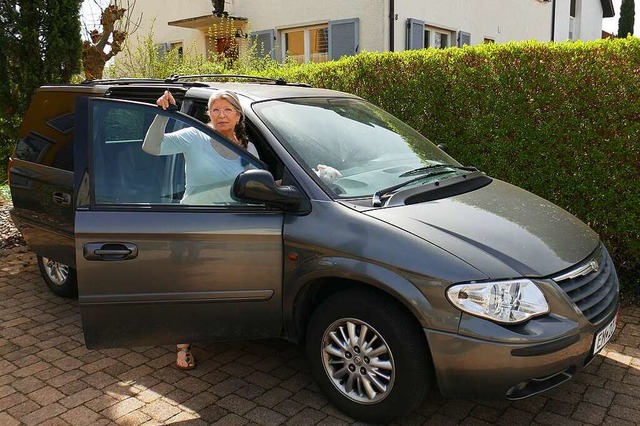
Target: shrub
[{"x": 560, "y": 120}]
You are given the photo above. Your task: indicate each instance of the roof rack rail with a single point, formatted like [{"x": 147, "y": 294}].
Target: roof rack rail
[
  {"x": 175, "y": 78},
  {"x": 125, "y": 81}
]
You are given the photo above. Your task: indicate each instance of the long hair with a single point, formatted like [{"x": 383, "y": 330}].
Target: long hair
[{"x": 232, "y": 98}]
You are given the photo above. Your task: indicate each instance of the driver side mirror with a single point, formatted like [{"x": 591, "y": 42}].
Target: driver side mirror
[{"x": 259, "y": 186}]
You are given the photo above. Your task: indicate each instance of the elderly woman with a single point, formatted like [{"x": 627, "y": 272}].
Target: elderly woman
[{"x": 202, "y": 158}]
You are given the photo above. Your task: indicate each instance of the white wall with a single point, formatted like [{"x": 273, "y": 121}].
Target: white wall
[
  {"x": 164, "y": 11},
  {"x": 283, "y": 14},
  {"x": 591, "y": 20},
  {"x": 588, "y": 20},
  {"x": 563, "y": 10},
  {"x": 500, "y": 20}
]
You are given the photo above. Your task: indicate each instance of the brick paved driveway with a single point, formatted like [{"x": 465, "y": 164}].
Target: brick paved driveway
[{"x": 47, "y": 376}]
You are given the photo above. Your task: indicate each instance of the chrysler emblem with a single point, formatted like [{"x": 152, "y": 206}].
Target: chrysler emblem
[{"x": 594, "y": 265}]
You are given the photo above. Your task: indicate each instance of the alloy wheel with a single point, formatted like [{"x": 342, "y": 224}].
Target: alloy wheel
[
  {"x": 56, "y": 271},
  {"x": 358, "y": 361}
]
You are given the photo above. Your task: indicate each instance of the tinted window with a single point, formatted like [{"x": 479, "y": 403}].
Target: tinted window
[
  {"x": 196, "y": 170},
  {"x": 32, "y": 148}
]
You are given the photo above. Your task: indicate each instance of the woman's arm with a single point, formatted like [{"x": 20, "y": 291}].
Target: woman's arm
[{"x": 155, "y": 134}]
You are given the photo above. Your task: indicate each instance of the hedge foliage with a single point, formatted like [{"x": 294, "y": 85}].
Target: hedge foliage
[{"x": 560, "y": 120}]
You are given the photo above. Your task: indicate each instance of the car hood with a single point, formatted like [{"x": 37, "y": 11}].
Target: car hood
[{"x": 502, "y": 230}]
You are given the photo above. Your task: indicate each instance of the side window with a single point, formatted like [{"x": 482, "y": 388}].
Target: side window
[{"x": 192, "y": 166}]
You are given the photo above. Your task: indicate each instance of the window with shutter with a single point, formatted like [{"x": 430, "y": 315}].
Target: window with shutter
[
  {"x": 264, "y": 42},
  {"x": 343, "y": 38},
  {"x": 464, "y": 38},
  {"x": 306, "y": 44},
  {"x": 415, "y": 34}
]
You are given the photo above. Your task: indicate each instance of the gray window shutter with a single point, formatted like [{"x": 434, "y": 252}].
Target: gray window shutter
[
  {"x": 163, "y": 48},
  {"x": 264, "y": 41},
  {"x": 415, "y": 34},
  {"x": 343, "y": 38},
  {"x": 464, "y": 38}
]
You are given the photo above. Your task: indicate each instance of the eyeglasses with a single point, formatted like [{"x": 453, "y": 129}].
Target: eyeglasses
[{"x": 216, "y": 112}]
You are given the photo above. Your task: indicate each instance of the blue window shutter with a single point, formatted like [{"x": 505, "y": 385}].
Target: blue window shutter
[
  {"x": 264, "y": 41},
  {"x": 464, "y": 38},
  {"x": 415, "y": 34},
  {"x": 343, "y": 38}
]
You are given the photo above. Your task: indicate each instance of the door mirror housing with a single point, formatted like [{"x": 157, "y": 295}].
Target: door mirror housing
[{"x": 259, "y": 185}]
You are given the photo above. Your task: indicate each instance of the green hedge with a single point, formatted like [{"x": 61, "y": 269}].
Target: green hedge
[{"x": 560, "y": 120}]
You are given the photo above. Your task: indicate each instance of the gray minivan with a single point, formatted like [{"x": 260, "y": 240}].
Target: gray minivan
[{"x": 400, "y": 270}]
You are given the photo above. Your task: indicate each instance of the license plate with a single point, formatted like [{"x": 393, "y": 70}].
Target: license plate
[{"x": 604, "y": 336}]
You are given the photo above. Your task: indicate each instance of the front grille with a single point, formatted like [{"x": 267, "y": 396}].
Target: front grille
[{"x": 595, "y": 292}]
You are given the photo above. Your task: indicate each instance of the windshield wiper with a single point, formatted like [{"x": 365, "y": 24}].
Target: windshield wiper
[
  {"x": 377, "y": 196},
  {"x": 424, "y": 169}
]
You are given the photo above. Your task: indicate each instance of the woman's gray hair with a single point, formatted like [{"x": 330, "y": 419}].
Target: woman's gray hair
[{"x": 232, "y": 98}]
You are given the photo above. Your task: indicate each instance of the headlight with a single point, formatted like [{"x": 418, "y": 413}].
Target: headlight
[{"x": 507, "y": 302}]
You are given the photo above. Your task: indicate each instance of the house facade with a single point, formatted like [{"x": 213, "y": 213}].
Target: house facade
[{"x": 313, "y": 31}]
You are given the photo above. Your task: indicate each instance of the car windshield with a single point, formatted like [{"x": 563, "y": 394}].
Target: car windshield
[{"x": 367, "y": 147}]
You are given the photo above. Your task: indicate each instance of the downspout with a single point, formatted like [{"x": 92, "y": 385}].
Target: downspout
[
  {"x": 392, "y": 19},
  {"x": 553, "y": 20}
]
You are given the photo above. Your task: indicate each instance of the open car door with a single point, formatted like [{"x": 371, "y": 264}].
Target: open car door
[{"x": 153, "y": 267}]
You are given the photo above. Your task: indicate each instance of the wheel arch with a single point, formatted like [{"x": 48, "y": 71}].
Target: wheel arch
[{"x": 310, "y": 290}]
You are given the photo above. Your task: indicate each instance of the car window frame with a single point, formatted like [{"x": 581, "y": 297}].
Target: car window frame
[{"x": 91, "y": 103}]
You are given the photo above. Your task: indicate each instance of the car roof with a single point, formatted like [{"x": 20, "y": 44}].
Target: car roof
[
  {"x": 253, "y": 91},
  {"x": 262, "y": 92}
]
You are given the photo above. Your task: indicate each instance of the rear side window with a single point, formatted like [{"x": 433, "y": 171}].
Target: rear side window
[{"x": 47, "y": 130}]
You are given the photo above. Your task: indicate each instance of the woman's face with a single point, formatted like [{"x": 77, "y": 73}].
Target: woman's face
[{"x": 223, "y": 116}]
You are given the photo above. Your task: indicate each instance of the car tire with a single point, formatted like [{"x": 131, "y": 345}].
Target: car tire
[
  {"x": 347, "y": 360},
  {"x": 60, "y": 278}
]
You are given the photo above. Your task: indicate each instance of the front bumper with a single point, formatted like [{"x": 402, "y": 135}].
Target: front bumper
[{"x": 475, "y": 368}]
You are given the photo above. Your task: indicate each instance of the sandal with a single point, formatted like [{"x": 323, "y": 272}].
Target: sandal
[{"x": 184, "y": 358}]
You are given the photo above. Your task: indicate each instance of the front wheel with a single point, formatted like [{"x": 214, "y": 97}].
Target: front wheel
[
  {"x": 60, "y": 278},
  {"x": 368, "y": 355}
]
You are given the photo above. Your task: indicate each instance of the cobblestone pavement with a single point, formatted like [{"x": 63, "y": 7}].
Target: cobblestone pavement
[{"x": 47, "y": 376}]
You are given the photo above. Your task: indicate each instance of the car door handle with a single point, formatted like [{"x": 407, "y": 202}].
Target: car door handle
[
  {"x": 110, "y": 251},
  {"x": 61, "y": 198}
]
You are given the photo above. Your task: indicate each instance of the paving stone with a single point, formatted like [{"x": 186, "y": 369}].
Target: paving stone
[
  {"x": 624, "y": 413},
  {"x": 80, "y": 398},
  {"x": 45, "y": 395},
  {"x": 73, "y": 387},
  {"x": 289, "y": 407},
  {"x": 265, "y": 416},
  {"x": 80, "y": 416},
  {"x": 7, "y": 420},
  {"x": 236, "y": 404},
  {"x": 200, "y": 401},
  {"x": 192, "y": 385},
  {"x": 590, "y": 413},
  {"x": 160, "y": 410},
  {"x": 28, "y": 384},
  {"x": 231, "y": 420},
  {"x": 515, "y": 417},
  {"x": 307, "y": 416},
  {"x": 133, "y": 418},
  {"x": 122, "y": 408},
  {"x": 20, "y": 410},
  {"x": 230, "y": 385},
  {"x": 38, "y": 416},
  {"x": 548, "y": 418}
]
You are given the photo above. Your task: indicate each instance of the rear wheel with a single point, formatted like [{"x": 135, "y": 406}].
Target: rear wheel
[
  {"x": 368, "y": 355},
  {"x": 60, "y": 278}
]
